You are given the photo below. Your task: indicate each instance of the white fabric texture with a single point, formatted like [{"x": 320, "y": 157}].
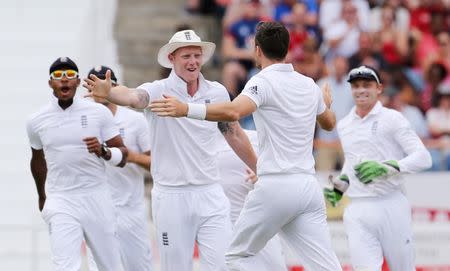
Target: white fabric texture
[
  {"x": 187, "y": 143},
  {"x": 384, "y": 134},
  {"x": 288, "y": 104}
]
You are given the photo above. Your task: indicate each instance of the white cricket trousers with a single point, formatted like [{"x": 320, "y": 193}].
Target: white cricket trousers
[
  {"x": 185, "y": 214},
  {"x": 289, "y": 204},
  {"x": 380, "y": 227},
  {"x": 134, "y": 240},
  {"x": 72, "y": 218}
]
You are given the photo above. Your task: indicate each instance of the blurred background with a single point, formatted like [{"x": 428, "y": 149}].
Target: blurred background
[{"x": 407, "y": 40}]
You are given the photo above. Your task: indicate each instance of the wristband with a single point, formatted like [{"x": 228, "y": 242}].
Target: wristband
[
  {"x": 196, "y": 111},
  {"x": 116, "y": 156}
]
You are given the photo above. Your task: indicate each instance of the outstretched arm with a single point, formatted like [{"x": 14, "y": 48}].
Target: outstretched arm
[
  {"x": 239, "y": 142},
  {"x": 227, "y": 111},
  {"x": 38, "y": 167},
  {"x": 120, "y": 95}
]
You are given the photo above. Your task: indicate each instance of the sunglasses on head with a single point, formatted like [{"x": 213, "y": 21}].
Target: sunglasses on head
[
  {"x": 58, "y": 74},
  {"x": 362, "y": 72}
]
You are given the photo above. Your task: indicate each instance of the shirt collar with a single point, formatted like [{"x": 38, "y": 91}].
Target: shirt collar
[
  {"x": 375, "y": 110},
  {"x": 55, "y": 104},
  {"x": 179, "y": 84},
  {"x": 282, "y": 67}
]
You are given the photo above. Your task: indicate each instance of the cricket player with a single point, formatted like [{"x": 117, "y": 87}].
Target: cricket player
[
  {"x": 379, "y": 147},
  {"x": 287, "y": 198},
  {"x": 127, "y": 184},
  {"x": 68, "y": 166},
  {"x": 237, "y": 181},
  {"x": 188, "y": 202}
]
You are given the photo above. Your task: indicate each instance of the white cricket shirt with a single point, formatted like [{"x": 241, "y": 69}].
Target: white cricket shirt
[
  {"x": 233, "y": 174},
  {"x": 60, "y": 133},
  {"x": 127, "y": 183},
  {"x": 288, "y": 104},
  {"x": 184, "y": 150},
  {"x": 384, "y": 134}
]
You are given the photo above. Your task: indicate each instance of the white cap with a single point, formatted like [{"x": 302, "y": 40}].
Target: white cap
[{"x": 182, "y": 39}]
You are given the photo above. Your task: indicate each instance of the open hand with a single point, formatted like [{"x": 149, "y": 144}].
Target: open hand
[
  {"x": 169, "y": 106},
  {"x": 97, "y": 87}
]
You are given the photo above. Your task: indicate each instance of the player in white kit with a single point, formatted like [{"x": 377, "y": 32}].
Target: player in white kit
[
  {"x": 68, "y": 166},
  {"x": 127, "y": 184},
  {"x": 188, "y": 202},
  {"x": 379, "y": 147},
  {"x": 287, "y": 198},
  {"x": 236, "y": 183}
]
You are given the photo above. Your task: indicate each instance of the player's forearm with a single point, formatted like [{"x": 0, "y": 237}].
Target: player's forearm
[
  {"x": 39, "y": 172},
  {"x": 327, "y": 120},
  {"x": 418, "y": 158},
  {"x": 239, "y": 142},
  {"x": 141, "y": 159},
  {"x": 122, "y": 95},
  {"x": 222, "y": 112}
]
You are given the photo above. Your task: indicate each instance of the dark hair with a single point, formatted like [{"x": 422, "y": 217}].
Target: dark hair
[{"x": 273, "y": 39}]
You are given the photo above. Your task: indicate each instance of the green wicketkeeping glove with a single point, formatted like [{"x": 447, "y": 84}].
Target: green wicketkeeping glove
[
  {"x": 367, "y": 171},
  {"x": 340, "y": 185}
]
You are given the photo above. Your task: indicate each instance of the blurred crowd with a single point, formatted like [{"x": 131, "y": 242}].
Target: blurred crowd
[{"x": 408, "y": 41}]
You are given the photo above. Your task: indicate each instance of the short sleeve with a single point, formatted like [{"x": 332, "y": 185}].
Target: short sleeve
[
  {"x": 143, "y": 133},
  {"x": 108, "y": 126},
  {"x": 257, "y": 89},
  {"x": 321, "y": 106},
  {"x": 153, "y": 89},
  {"x": 33, "y": 137}
]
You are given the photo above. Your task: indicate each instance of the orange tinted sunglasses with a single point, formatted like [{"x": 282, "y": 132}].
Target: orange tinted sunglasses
[{"x": 58, "y": 74}]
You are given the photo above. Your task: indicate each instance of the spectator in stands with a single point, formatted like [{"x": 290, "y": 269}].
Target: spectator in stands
[
  {"x": 391, "y": 41},
  {"x": 341, "y": 38},
  {"x": 329, "y": 155},
  {"x": 311, "y": 64},
  {"x": 366, "y": 55},
  {"x": 410, "y": 112},
  {"x": 237, "y": 48},
  {"x": 330, "y": 15},
  {"x": 284, "y": 12},
  {"x": 438, "y": 119},
  {"x": 434, "y": 76},
  {"x": 298, "y": 32},
  {"x": 402, "y": 16}
]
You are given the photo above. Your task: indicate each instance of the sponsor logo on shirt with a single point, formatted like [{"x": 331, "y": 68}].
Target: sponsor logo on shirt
[
  {"x": 122, "y": 132},
  {"x": 207, "y": 101},
  {"x": 84, "y": 121},
  {"x": 254, "y": 90}
]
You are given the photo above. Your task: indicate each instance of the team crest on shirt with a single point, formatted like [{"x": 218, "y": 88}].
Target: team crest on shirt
[
  {"x": 374, "y": 127},
  {"x": 253, "y": 90},
  {"x": 84, "y": 121},
  {"x": 165, "y": 239},
  {"x": 122, "y": 132}
]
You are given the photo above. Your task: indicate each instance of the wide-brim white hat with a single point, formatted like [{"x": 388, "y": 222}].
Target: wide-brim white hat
[{"x": 182, "y": 39}]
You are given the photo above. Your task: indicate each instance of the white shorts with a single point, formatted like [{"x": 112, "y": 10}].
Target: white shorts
[
  {"x": 289, "y": 204},
  {"x": 380, "y": 227},
  {"x": 134, "y": 240},
  {"x": 72, "y": 218},
  {"x": 185, "y": 214}
]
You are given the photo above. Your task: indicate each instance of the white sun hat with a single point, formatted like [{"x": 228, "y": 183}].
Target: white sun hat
[{"x": 182, "y": 39}]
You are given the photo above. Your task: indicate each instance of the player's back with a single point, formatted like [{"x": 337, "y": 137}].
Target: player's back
[{"x": 288, "y": 104}]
